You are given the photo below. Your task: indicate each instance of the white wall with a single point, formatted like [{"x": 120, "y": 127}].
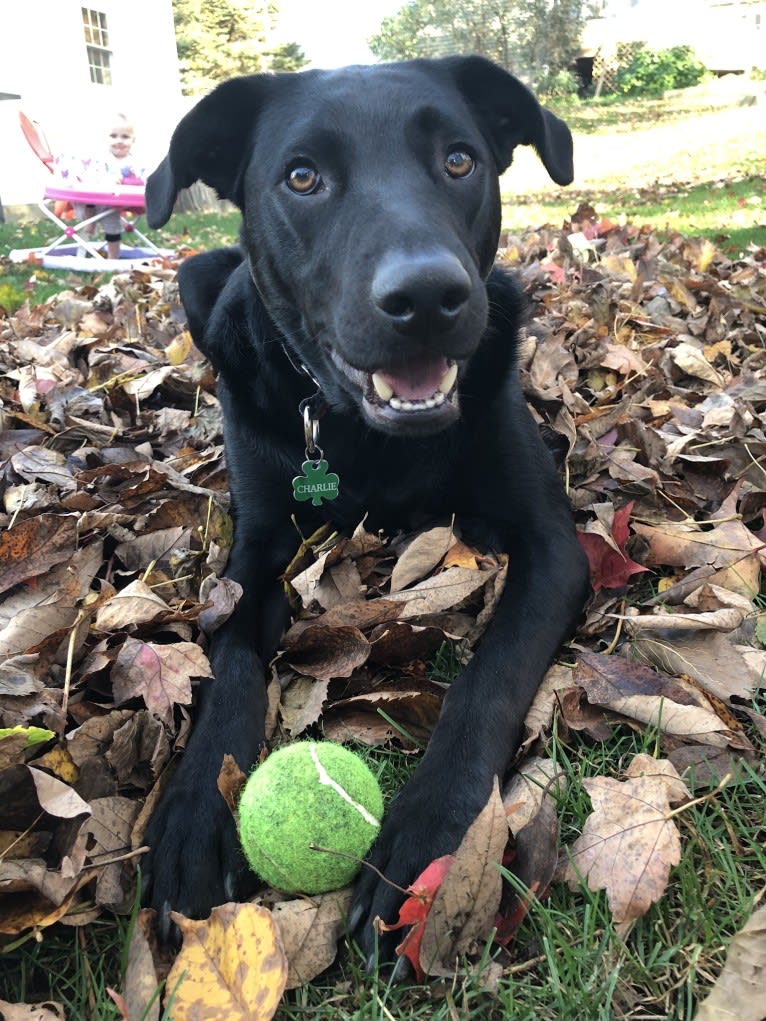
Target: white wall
[{"x": 45, "y": 62}]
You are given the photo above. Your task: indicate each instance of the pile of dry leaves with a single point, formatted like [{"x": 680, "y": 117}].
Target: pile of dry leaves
[{"x": 646, "y": 360}]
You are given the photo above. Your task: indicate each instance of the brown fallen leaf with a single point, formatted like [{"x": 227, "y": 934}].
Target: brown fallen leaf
[
  {"x": 738, "y": 993},
  {"x": 310, "y": 929},
  {"x": 140, "y": 985},
  {"x": 231, "y": 965},
  {"x": 710, "y": 658},
  {"x": 301, "y": 703},
  {"x": 730, "y": 548},
  {"x": 159, "y": 674},
  {"x": 421, "y": 555},
  {"x": 670, "y": 704},
  {"x": 376, "y": 717},
  {"x": 464, "y": 908},
  {"x": 442, "y": 592},
  {"x": 629, "y": 842},
  {"x": 33, "y": 546},
  {"x": 328, "y": 584},
  {"x": 133, "y": 605},
  {"x": 327, "y": 652},
  {"x": 533, "y": 820}
]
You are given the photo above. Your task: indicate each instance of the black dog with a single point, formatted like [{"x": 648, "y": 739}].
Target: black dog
[{"x": 365, "y": 304}]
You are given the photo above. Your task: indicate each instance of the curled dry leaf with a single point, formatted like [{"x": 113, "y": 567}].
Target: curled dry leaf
[
  {"x": 531, "y": 814},
  {"x": 425, "y": 552},
  {"x": 673, "y": 705},
  {"x": 133, "y": 605},
  {"x": 465, "y": 905},
  {"x": 231, "y": 965},
  {"x": 730, "y": 548},
  {"x": 327, "y": 652},
  {"x": 141, "y": 981}
]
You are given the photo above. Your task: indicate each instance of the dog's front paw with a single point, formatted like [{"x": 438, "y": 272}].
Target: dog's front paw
[
  {"x": 422, "y": 824},
  {"x": 195, "y": 860}
]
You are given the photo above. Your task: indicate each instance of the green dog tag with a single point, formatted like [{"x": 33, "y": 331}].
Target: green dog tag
[{"x": 315, "y": 484}]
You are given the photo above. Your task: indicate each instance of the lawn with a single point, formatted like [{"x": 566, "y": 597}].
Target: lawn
[{"x": 566, "y": 962}]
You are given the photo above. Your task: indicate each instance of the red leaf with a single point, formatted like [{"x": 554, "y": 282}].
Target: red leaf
[
  {"x": 415, "y": 910},
  {"x": 609, "y": 567}
]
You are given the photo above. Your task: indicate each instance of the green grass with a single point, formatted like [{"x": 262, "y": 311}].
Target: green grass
[
  {"x": 731, "y": 212},
  {"x": 20, "y": 282},
  {"x": 71, "y": 965},
  {"x": 565, "y": 964}
]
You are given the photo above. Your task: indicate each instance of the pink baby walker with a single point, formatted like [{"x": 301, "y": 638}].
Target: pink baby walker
[{"x": 76, "y": 183}]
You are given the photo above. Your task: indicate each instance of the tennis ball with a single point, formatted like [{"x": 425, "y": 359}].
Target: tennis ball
[{"x": 310, "y": 792}]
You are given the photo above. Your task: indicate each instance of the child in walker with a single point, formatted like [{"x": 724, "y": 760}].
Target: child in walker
[{"x": 119, "y": 167}]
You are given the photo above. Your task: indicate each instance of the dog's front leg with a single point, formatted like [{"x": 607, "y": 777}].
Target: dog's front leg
[
  {"x": 195, "y": 860},
  {"x": 481, "y": 723}
]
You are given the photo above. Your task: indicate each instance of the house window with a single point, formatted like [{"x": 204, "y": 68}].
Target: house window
[{"x": 97, "y": 45}]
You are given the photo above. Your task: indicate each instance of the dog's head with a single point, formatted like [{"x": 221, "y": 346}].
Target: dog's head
[{"x": 371, "y": 215}]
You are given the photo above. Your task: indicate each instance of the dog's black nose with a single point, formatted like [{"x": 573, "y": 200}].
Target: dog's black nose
[{"x": 421, "y": 293}]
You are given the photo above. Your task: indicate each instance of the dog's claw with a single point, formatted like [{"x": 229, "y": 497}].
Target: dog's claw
[
  {"x": 355, "y": 917},
  {"x": 403, "y": 971}
]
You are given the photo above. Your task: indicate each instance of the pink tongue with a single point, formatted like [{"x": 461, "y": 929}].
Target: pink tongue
[{"x": 418, "y": 380}]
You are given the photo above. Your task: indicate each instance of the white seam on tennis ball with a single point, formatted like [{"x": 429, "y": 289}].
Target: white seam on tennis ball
[{"x": 325, "y": 778}]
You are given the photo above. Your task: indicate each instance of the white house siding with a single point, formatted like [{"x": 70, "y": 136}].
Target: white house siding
[{"x": 45, "y": 63}]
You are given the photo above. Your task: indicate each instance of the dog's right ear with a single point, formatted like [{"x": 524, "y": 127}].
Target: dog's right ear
[{"x": 210, "y": 144}]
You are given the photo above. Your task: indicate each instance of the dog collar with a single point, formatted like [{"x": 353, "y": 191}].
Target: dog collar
[{"x": 317, "y": 483}]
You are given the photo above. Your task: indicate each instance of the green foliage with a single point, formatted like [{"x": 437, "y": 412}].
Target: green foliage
[
  {"x": 217, "y": 39},
  {"x": 533, "y": 38},
  {"x": 652, "y": 72},
  {"x": 557, "y": 85}
]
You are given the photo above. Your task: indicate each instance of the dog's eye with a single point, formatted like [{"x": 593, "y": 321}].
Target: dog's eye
[
  {"x": 459, "y": 163},
  {"x": 303, "y": 179}
]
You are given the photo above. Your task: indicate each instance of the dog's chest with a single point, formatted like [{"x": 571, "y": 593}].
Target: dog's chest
[{"x": 395, "y": 484}]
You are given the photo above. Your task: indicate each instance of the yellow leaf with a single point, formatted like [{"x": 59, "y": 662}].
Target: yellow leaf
[
  {"x": 178, "y": 349},
  {"x": 59, "y": 762},
  {"x": 705, "y": 256},
  {"x": 232, "y": 965}
]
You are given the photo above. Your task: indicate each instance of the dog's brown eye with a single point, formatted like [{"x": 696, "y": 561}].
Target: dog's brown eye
[
  {"x": 303, "y": 179},
  {"x": 459, "y": 163}
]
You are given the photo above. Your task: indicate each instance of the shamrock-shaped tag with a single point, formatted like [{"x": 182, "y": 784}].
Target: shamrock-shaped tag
[{"x": 315, "y": 484}]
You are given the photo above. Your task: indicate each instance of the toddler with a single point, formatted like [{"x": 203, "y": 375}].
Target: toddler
[{"x": 118, "y": 167}]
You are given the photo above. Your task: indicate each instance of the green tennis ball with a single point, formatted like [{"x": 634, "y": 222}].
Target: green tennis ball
[{"x": 309, "y": 793}]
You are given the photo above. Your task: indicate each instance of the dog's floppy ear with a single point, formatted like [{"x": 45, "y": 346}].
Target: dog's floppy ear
[
  {"x": 510, "y": 116},
  {"x": 210, "y": 144}
]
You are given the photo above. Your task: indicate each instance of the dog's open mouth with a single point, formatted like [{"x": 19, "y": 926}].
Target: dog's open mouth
[{"x": 421, "y": 395}]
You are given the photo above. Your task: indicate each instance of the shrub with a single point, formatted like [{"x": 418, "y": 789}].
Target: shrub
[
  {"x": 652, "y": 72},
  {"x": 557, "y": 85}
]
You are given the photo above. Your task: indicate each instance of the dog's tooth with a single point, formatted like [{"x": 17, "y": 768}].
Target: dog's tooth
[
  {"x": 439, "y": 397},
  {"x": 395, "y": 403},
  {"x": 449, "y": 379},
  {"x": 408, "y": 406},
  {"x": 382, "y": 389},
  {"x": 430, "y": 403}
]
